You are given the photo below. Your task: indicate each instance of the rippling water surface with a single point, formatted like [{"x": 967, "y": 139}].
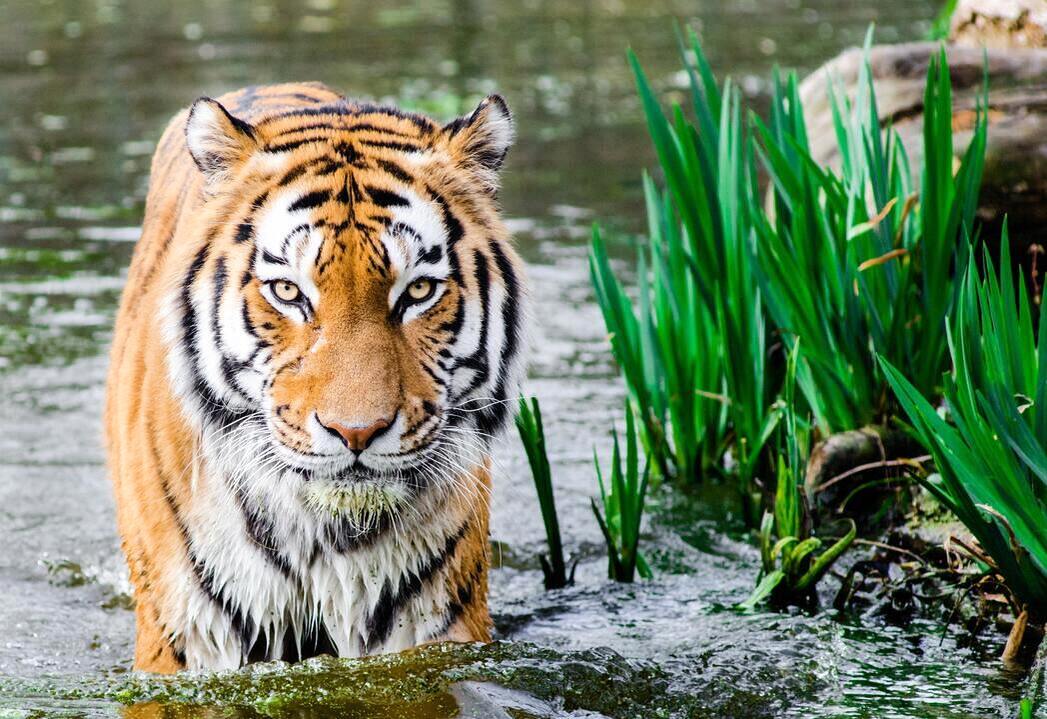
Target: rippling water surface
[{"x": 85, "y": 89}]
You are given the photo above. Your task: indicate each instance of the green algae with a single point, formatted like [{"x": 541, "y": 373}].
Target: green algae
[{"x": 419, "y": 683}]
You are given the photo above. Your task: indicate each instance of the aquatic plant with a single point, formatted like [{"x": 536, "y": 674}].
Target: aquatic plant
[
  {"x": 622, "y": 499},
  {"x": 991, "y": 451},
  {"x": 791, "y": 565},
  {"x": 828, "y": 256},
  {"x": 857, "y": 263},
  {"x": 532, "y": 435},
  {"x": 940, "y": 27},
  {"x": 692, "y": 348}
]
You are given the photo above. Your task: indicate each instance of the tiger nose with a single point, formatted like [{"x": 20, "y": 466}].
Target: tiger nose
[{"x": 354, "y": 436}]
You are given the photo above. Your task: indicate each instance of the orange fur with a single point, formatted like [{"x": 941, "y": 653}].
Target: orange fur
[{"x": 348, "y": 360}]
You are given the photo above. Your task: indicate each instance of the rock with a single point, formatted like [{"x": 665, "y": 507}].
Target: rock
[
  {"x": 1015, "y": 178},
  {"x": 843, "y": 462}
]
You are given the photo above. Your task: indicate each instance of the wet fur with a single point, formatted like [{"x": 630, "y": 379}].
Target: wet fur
[{"x": 246, "y": 536}]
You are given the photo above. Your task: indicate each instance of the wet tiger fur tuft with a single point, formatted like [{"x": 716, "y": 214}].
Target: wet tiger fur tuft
[{"x": 319, "y": 336}]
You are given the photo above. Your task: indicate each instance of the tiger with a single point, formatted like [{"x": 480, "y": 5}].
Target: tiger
[{"x": 322, "y": 326}]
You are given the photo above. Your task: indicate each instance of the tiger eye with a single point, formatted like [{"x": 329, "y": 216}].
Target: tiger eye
[
  {"x": 420, "y": 290},
  {"x": 286, "y": 291}
]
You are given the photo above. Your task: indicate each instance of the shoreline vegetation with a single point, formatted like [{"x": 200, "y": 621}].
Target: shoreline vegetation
[{"x": 838, "y": 344}]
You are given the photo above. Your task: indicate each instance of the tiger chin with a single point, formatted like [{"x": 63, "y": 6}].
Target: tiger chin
[{"x": 322, "y": 327}]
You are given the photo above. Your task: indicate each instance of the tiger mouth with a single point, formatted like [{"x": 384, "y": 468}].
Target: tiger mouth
[{"x": 360, "y": 475}]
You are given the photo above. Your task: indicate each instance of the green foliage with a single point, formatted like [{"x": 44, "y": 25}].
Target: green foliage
[
  {"x": 829, "y": 257},
  {"x": 692, "y": 348},
  {"x": 940, "y": 27},
  {"x": 532, "y": 434},
  {"x": 622, "y": 499},
  {"x": 791, "y": 566},
  {"x": 852, "y": 263},
  {"x": 992, "y": 455},
  {"x": 1025, "y": 709}
]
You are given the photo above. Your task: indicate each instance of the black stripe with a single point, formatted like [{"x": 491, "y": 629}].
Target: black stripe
[
  {"x": 273, "y": 259},
  {"x": 245, "y": 313},
  {"x": 295, "y": 144},
  {"x": 495, "y": 414},
  {"x": 347, "y": 151},
  {"x": 343, "y": 535},
  {"x": 390, "y": 145},
  {"x": 229, "y": 365},
  {"x": 390, "y": 601},
  {"x": 455, "y": 232},
  {"x": 399, "y": 228},
  {"x": 466, "y": 593},
  {"x": 293, "y": 174},
  {"x": 296, "y": 96},
  {"x": 310, "y": 200},
  {"x": 260, "y": 530},
  {"x": 478, "y": 360},
  {"x": 436, "y": 378},
  {"x": 304, "y": 128},
  {"x": 454, "y": 326},
  {"x": 214, "y": 410},
  {"x": 203, "y": 574},
  {"x": 244, "y": 233},
  {"x": 338, "y": 110},
  {"x": 343, "y": 195},
  {"x": 386, "y": 198},
  {"x": 326, "y": 167},
  {"x": 396, "y": 171},
  {"x": 367, "y": 108},
  {"x": 433, "y": 255},
  {"x": 510, "y": 314},
  {"x": 368, "y": 127}
]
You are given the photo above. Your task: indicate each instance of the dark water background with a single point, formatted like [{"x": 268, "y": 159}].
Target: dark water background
[{"x": 85, "y": 90}]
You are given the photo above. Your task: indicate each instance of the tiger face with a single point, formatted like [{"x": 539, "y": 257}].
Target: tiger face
[{"x": 350, "y": 333}]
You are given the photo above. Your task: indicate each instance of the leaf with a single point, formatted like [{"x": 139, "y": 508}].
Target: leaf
[
  {"x": 824, "y": 561},
  {"x": 763, "y": 589}
]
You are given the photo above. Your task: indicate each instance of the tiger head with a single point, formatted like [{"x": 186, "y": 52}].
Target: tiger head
[{"x": 352, "y": 323}]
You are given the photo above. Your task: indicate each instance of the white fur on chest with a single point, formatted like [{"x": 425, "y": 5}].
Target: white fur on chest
[{"x": 312, "y": 585}]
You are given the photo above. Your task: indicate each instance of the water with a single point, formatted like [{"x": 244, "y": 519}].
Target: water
[{"x": 85, "y": 89}]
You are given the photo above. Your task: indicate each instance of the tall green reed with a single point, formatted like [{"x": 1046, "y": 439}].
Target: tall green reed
[
  {"x": 532, "y": 435},
  {"x": 791, "y": 565},
  {"x": 855, "y": 262},
  {"x": 991, "y": 454},
  {"x": 622, "y": 500},
  {"x": 692, "y": 347}
]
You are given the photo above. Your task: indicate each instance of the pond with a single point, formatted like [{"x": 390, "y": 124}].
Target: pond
[{"x": 85, "y": 90}]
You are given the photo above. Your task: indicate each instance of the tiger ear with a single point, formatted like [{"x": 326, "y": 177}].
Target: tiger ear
[
  {"x": 480, "y": 140},
  {"x": 216, "y": 140}
]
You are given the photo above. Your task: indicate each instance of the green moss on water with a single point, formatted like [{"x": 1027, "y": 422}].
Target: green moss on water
[{"x": 419, "y": 683}]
